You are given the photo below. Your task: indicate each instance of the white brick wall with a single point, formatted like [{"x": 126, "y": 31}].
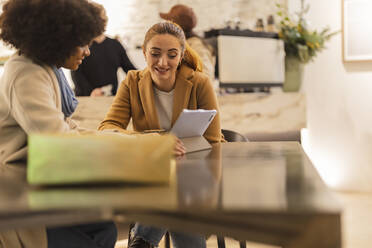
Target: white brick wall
[{"x": 131, "y": 18}]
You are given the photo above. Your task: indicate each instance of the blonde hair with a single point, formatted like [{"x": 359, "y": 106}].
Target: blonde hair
[{"x": 190, "y": 58}]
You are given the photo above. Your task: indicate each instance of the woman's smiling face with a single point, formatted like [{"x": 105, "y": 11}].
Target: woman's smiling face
[
  {"x": 163, "y": 54},
  {"x": 77, "y": 58}
]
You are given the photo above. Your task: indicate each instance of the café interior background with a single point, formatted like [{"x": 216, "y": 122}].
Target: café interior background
[{"x": 338, "y": 138}]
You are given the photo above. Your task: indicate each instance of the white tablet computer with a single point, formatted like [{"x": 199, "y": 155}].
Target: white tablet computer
[
  {"x": 190, "y": 127},
  {"x": 192, "y": 123}
]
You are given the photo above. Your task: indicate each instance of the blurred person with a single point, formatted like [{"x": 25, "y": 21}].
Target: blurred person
[
  {"x": 186, "y": 18},
  {"x": 154, "y": 98},
  {"x": 97, "y": 75},
  {"x": 36, "y": 98}
]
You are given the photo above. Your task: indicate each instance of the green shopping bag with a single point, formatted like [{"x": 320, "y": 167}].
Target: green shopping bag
[{"x": 55, "y": 159}]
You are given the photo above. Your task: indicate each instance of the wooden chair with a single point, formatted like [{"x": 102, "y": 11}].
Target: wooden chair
[{"x": 232, "y": 136}]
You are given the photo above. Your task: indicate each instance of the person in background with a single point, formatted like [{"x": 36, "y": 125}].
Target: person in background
[
  {"x": 154, "y": 98},
  {"x": 36, "y": 98},
  {"x": 186, "y": 18},
  {"x": 97, "y": 75}
]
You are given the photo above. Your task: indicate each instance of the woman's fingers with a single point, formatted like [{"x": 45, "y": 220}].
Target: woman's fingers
[
  {"x": 97, "y": 92},
  {"x": 179, "y": 148},
  {"x": 180, "y": 143}
]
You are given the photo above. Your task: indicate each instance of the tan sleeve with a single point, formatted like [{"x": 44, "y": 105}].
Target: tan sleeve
[
  {"x": 119, "y": 114},
  {"x": 207, "y": 99}
]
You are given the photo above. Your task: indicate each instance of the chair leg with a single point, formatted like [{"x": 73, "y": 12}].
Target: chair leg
[
  {"x": 221, "y": 242},
  {"x": 242, "y": 244},
  {"x": 167, "y": 240},
  {"x": 131, "y": 226}
]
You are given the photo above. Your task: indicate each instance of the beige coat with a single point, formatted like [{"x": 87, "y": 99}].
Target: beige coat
[
  {"x": 30, "y": 101},
  {"x": 135, "y": 99}
]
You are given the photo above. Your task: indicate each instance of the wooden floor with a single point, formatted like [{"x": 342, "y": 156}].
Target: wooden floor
[
  {"x": 356, "y": 221},
  {"x": 212, "y": 243}
]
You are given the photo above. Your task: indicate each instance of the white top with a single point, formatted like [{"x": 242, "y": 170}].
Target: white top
[{"x": 164, "y": 107}]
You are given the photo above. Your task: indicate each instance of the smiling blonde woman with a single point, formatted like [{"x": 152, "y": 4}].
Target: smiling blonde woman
[
  {"x": 172, "y": 81},
  {"x": 154, "y": 97}
]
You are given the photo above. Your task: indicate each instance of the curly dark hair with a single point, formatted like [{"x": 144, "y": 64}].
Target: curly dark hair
[{"x": 49, "y": 31}]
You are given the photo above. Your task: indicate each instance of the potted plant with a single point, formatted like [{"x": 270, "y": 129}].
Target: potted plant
[{"x": 301, "y": 44}]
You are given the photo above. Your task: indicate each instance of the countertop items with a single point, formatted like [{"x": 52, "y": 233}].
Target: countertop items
[{"x": 258, "y": 116}]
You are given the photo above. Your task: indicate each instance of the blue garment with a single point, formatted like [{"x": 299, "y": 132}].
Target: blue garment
[
  {"x": 69, "y": 102},
  {"x": 153, "y": 236},
  {"x": 94, "y": 235}
]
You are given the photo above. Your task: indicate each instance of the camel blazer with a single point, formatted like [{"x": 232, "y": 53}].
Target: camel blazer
[
  {"x": 30, "y": 101},
  {"x": 135, "y": 99}
]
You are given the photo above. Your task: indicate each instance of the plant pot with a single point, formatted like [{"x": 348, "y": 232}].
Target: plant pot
[{"x": 294, "y": 70}]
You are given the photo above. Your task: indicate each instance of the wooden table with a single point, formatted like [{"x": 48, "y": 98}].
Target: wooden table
[{"x": 265, "y": 192}]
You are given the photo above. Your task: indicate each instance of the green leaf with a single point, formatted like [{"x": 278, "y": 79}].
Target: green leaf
[{"x": 299, "y": 39}]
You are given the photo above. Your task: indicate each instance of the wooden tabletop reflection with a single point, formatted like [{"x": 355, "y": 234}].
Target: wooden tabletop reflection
[{"x": 227, "y": 183}]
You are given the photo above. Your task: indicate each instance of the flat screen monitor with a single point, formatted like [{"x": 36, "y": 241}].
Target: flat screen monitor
[{"x": 250, "y": 61}]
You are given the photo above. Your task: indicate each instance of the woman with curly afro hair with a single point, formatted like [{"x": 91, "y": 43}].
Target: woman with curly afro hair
[{"x": 35, "y": 97}]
